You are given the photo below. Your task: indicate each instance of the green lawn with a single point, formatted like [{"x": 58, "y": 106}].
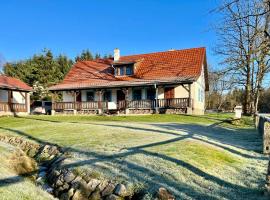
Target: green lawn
[{"x": 196, "y": 157}]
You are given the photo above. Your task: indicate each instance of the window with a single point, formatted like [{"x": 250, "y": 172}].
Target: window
[
  {"x": 137, "y": 94},
  {"x": 200, "y": 95},
  {"x": 107, "y": 96},
  {"x": 151, "y": 94},
  {"x": 129, "y": 70},
  {"x": 124, "y": 70},
  {"x": 122, "y": 73},
  {"x": 90, "y": 96}
]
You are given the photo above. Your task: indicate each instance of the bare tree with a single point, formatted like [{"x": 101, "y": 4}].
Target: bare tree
[
  {"x": 244, "y": 45},
  {"x": 219, "y": 85}
]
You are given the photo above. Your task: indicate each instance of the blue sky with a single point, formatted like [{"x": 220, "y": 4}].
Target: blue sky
[{"x": 134, "y": 26}]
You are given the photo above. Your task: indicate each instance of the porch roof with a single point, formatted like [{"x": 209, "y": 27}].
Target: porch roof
[
  {"x": 11, "y": 83},
  {"x": 124, "y": 83}
]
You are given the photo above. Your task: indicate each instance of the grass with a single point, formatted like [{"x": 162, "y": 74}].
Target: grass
[
  {"x": 196, "y": 157},
  {"x": 12, "y": 185}
]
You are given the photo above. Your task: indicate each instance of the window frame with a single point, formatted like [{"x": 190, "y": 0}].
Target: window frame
[
  {"x": 93, "y": 99},
  {"x": 130, "y": 67},
  {"x": 105, "y": 96},
  {"x": 134, "y": 95},
  {"x": 148, "y": 94},
  {"x": 124, "y": 70}
]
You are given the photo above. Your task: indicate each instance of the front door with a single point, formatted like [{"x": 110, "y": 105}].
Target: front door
[
  {"x": 169, "y": 93},
  {"x": 121, "y": 97},
  {"x": 79, "y": 96}
]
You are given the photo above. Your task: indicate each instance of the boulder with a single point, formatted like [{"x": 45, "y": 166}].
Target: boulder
[
  {"x": 164, "y": 194},
  {"x": 68, "y": 176},
  {"x": 120, "y": 190},
  {"x": 58, "y": 182},
  {"x": 113, "y": 197},
  {"x": 87, "y": 178},
  {"x": 53, "y": 175},
  {"x": 92, "y": 184},
  {"x": 64, "y": 196},
  {"x": 79, "y": 195},
  {"x": 76, "y": 182},
  {"x": 102, "y": 185},
  {"x": 108, "y": 190},
  {"x": 95, "y": 195},
  {"x": 32, "y": 152},
  {"x": 83, "y": 187}
]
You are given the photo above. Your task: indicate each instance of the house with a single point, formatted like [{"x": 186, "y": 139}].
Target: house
[
  {"x": 14, "y": 96},
  {"x": 173, "y": 81}
]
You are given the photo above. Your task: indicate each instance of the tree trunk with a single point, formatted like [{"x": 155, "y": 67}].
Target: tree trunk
[{"x": 247, "y": 93}]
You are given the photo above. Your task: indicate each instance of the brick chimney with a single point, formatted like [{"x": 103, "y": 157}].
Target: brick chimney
[{"x": 116, "y": 55}]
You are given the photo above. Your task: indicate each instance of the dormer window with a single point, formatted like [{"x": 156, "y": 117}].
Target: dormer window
[
  {"x": 129, "y": 70},
  {"x": 124, "y": 70}
]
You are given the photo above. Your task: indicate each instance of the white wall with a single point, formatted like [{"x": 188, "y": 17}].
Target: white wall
[
  {"x": 181, "y": 92},
  {"x": 160, "y": 92},
  {"x": 18, "y": 97},
  {"x": 67, "y": 97},
  {"x": 199, "y": 106}
]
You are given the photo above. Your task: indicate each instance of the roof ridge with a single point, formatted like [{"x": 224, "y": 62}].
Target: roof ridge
[{"x": 167, "y": 51}]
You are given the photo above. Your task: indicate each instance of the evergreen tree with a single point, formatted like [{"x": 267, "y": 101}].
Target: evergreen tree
[
  {"x": 43, "y": 70},
  {"x": 97, "y": 56},
  {"x": 85, "y": 55}
]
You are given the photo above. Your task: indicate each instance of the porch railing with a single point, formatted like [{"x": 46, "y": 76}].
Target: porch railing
[
  {"x": 143, "y": 104},
  {"x": 174, "y": 103},
  {"x": 77, "y": 105},
  {"x": 12, "y": 107}
]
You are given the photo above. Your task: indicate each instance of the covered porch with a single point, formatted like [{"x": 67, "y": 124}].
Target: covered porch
[
  {"x": 125, "y": 100},
  {"x": 14, "y": 101}
]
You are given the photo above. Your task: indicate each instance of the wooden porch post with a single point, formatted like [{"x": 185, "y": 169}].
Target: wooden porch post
[
  {"x": 75, "y": 99},
  {"x": 53, "y": 103},
  {"x": 126, "y": 100},
  {"x": 189, "y": 108},
  {"x": 157, "y": 106},
  {"x": 100, "y": 110},
  {"x": 189, "y": 95},
  {"x": 9, "y": 108},
  {"x": 26, "y": 102}
]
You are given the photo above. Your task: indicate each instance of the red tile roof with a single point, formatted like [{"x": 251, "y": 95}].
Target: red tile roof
[
  {"x": 7, "y": 82},
  {"x": 169, "y": 66}
]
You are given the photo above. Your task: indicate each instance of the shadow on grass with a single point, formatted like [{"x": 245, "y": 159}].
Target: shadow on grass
[
  {"x": 157, "y": 179},
  {"x": 16, "y": 179},
  {"x": 242, "y": 138}
]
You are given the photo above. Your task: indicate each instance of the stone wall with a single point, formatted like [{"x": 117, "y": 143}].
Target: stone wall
[
  {"x": 64, "y": 184},
  {"x": 262, "y": 123},
  {"x": 172, "y": 111}
]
